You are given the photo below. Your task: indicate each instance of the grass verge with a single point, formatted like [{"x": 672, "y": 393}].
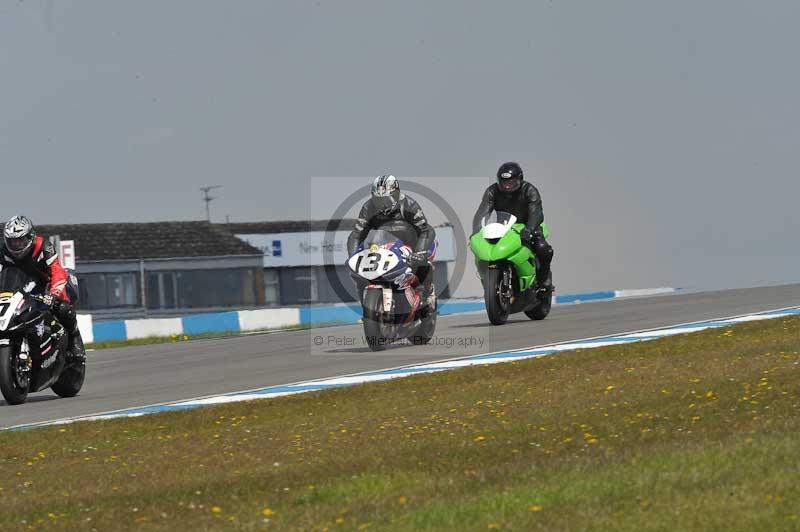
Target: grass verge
[{"x": 693, "y": 432}]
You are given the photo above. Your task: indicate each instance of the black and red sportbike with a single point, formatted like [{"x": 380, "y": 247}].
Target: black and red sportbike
[{"x": 33, "y": 344}]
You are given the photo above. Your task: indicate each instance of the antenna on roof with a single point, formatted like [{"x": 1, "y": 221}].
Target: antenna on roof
[{"x": 208, "y": 199}]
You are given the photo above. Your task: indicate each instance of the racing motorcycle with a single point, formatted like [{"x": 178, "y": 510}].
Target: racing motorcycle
[
  {"x": 33, "y": 344},
  {"x": 507, "y": 269},
  {"x": 391, "y": 295}
]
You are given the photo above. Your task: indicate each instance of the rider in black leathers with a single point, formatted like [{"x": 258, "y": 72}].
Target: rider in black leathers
[
  {"x": 394, "y": 211},
  {"x": 513, "y": 195}
]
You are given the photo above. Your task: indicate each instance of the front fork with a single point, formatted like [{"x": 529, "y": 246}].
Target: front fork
[
  {"x": 23, "y": 362},
  {"x": 506, "y": 289},
  {"x": 507, "y": 286}
]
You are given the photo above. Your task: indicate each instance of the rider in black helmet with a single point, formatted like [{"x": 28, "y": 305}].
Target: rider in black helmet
[
  {"x": 514, "y": 195},
  {"x": 394, "y": 211}
]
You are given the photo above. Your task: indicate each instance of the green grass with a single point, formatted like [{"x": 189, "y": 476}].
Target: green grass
[{"x": 693, "y": 432}]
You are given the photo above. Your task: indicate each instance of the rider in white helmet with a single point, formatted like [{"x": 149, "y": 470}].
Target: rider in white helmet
[
  {"x": 37, "y": 257},
  {"x": 389, "y": 208}
]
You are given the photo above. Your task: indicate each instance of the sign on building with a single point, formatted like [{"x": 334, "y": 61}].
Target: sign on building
[
  {"x": 66, "y": 254},
  {"x": 308, "y": 248}
]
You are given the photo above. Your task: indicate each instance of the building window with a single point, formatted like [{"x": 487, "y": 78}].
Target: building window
[
  {"x": 108, "y": 290},
  {"x": 223, "y": 288},
  {"x": 122, "y": 290},
  {"x": 305, "y": 281},
  {"x": 272, "y": 287},
  {"x": 162, "y": 290}
]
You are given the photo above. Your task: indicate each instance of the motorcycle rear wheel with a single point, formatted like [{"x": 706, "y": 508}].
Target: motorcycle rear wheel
[
  {"x": 425, "y": 331},
  {"x": 12, "y": 393},
  {"x": 70, "y": 381},
  {"x": 541, "y": 311},
  {"x": 496, "y": 308}
]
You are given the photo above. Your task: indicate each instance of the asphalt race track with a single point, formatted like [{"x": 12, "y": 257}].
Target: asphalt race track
[{"x": 145, "y": 375}]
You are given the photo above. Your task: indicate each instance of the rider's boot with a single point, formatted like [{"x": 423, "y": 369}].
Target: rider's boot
[
  {"x": 77, "y": 352},
  {"x": 547, "y": 280},
  {"x": 429, "y": 295},
  {"x": 428, "y": 303},
  {"x": 66, "y": 315}
]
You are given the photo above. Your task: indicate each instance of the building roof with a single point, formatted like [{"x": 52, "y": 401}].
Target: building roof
[
  {"x": 292, "y": 226},
  {"x": 158, "y": 240}
]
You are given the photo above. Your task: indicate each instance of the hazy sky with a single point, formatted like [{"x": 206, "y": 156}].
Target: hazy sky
[{"x": 664, "y": 136}]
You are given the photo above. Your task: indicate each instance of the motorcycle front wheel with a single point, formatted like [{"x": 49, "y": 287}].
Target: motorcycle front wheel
[
  {"x": 373, "y": 316},
  {"x": 13, "y": 393},
  {"x": 497, "y": 308}
]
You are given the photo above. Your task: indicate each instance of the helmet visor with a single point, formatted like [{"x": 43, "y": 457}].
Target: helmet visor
[
  {"x": 17, "y": 244},
  {"x": 509, "y": 184},
  {"x": 384, "y": 203}
]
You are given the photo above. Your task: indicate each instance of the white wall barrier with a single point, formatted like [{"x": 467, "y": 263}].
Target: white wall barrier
[
  {"x": 253, "y": 320},
  {"x": 153, "y": 327},
  {"x": 86, "y": 328}
]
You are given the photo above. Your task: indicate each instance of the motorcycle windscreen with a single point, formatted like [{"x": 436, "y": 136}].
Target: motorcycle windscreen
[
  {"x": 498, "y": 217},
  {"x": 14, "y": 280}
]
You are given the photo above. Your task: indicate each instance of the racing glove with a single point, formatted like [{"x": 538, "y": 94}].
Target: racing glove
[
  {"x": 417, "y": 259},
  {"x": 526, "y": 235},
  {"x": 49, "y": 300},
  {"x": 56, "y": 305}
]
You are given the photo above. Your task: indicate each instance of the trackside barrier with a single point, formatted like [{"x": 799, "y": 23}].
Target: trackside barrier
[{"x": 279, "y": 318}]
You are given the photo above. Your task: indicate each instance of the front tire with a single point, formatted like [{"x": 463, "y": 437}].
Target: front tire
[
  {"x": 373, "y": 312},
  {"x": 496, "y": 307},
  {"x": 12, "y": 392}
]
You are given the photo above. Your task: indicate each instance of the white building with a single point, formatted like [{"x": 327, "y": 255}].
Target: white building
[{"x": 301, "y": 259}]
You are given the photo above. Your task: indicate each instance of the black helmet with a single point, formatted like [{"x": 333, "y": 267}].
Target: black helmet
[
  {"x": 509, "y": 177},
  {"x": 385, "y": 193},
  {"x": 18, "y": 235}
]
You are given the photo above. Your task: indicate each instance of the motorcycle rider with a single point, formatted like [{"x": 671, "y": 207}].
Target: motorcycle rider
[
  {"x": 387, "y": 206},
  {"x": 513, "y": 195},
  {"x": 37, "y": 257}
]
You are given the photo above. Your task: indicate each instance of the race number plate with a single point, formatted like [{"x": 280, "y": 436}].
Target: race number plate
[
  {"x": 7, "y": 307},
  {"x": 373, "y": 263}
]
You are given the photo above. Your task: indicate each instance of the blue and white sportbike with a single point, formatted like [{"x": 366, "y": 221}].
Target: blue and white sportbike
[{"x": 391, "y": 293}]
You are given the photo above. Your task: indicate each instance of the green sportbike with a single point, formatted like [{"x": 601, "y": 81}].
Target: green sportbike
[{"x": 507, "y": 269}]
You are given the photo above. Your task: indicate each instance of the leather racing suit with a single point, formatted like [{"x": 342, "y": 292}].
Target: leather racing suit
[
  {"x": 406, "y": 213},
  {"x": 526, "y": 205},
  {"x": 43, "y": 266}
]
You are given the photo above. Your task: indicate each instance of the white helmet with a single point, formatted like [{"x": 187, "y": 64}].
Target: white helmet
[
  {"x": 385, "y": 193},
  {"x": 18, "y": 235}
]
